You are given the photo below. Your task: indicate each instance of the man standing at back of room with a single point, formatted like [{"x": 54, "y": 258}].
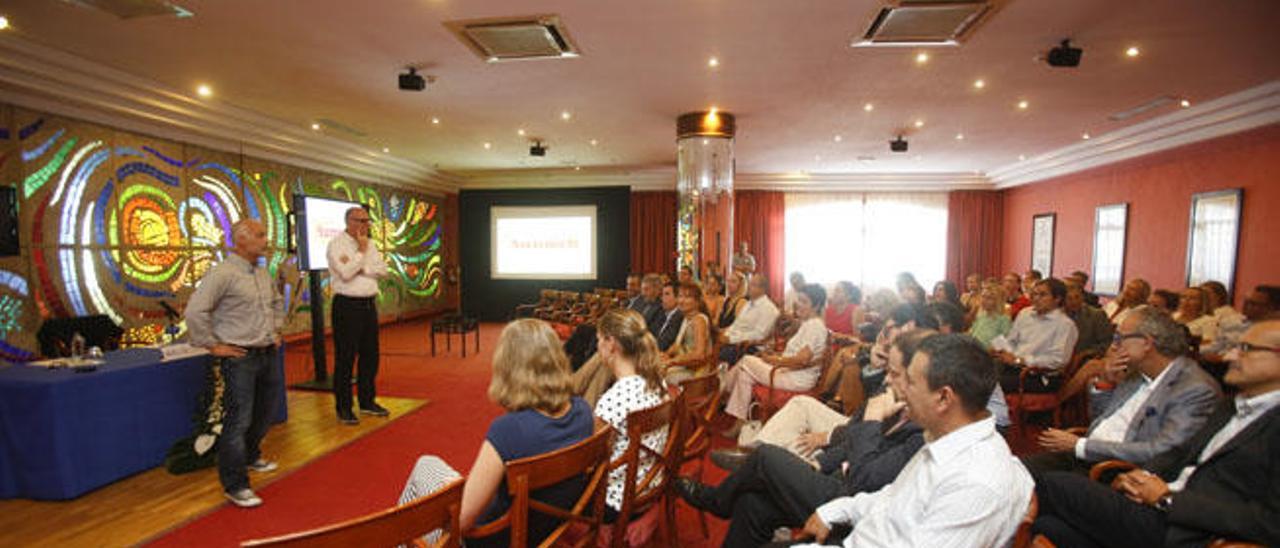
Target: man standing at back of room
[
  {"x": 355, "y": 266},
  {"x": 236, "y": 313}
]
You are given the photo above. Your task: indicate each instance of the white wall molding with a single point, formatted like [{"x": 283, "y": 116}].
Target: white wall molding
[
  {"x": 42, "y": 78},
  {"x": 1252, "y": 108}
]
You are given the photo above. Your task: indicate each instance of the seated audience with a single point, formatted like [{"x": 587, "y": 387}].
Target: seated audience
[
  {"x": 684, "y": 275},
  {"x": 753, "y": 325},
  {"x": 1041, "y": 337},
  {"x": 631, "y": 353},
  {"x": 1161, "y": 398},
  {"x": 800, "y": 362},
  {"x": 649, "y": 302},
  {"x": 1082, "y": 279},
  {"x": 972, "y": 291},
  {"x": 734, "y": 301},
  {"x": 990, "y": 321},
  {"x": 945, "y": 292},
  {"x": 1014, "y": 297},
  {"x": 1219, "y": 303},
  {"x": 789, "y": 298},
  {"x": 1091, "y": 322},
  {"x": 1164, "y": 299},
  {"x": 1193, "y": 312},
  {"x": 531, "y": 381},
  {"x": 713, "y": 293},
  {"x": 773, "y": 487},
  {"x": 1134, "y": 294},
  {"x": 1260, "y": 303},
  {"x": 1220, "y": 483},
  {"x": 689, "y": 355},
  {"x": 841, "y": 308},
  {"x": 878, "y": 305},
  {"x": 667, "y": 325},
  {"x": 963, "y": 487}
]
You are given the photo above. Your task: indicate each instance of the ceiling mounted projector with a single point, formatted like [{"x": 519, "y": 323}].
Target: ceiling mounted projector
[
  {"x": 1064, "y": 55},
  {"x": 898, "y": 145},
  {"x": 537, "y": 149},
  {"x": 412, "y": 81}
]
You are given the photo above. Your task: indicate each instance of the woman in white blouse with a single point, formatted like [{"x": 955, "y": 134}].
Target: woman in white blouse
[
  {"x": 800, "y": 362},
  {"x": 632, "y": 354},
  {"x": 1194, "y": 312}
]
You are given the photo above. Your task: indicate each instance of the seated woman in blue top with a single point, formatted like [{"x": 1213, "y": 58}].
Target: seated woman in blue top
[{"x": 530, "y": 381}]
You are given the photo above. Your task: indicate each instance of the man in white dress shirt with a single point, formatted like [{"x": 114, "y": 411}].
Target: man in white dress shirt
[
  {"x": 1042, "y": 337},
  {"x": 753, "y": 324},
  {"x": 355, "y": 266},
  {"x": 963, "y": 488}
]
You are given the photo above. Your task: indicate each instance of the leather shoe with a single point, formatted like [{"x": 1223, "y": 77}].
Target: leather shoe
[
  {"x": 698, "y": 495},
  {"x": 347, "y": 418},
  {"x": 729, "y": 459}
]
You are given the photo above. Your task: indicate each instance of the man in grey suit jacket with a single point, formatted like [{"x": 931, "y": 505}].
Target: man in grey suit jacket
[{"x": 1165, "y": 398}]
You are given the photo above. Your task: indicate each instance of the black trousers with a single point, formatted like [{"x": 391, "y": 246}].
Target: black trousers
[
  {"x": 772, "y": 489},
  {"x": 1040, "y": 464},
  {"x": 355, "y": 333},
  {"x": 1035, "y": 384},
  {"x": 1076, "y": 511}
]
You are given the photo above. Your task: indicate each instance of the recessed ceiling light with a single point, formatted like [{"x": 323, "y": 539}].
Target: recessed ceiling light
[
  {"x": 577, "y": 168},
  {"x": 1085, "y": 136},
  {"x": 4, "y": 23},
  {"x": 1022, "y": 157},
  {"x": 204, "y": 90},
  {"x": 488, "y": 146},
  {"x": 435, "y": 120},
  {"x": 520, "y": 132},
  {"x": 1023, "y": 104},
  {"x": 922, "y": 58},
  {"x": 1133, "y": 51},
  {"x": 386, "y": 150},
  {"x": 868, "y": 107},
  {"x": 565, "y": 115},
  {"x": 713, "y": 62},
  {"x": 959, "y": 136},
  {"x": 837, "y": 138},
  {"x": 315, "y": 126},
  {"x": 919, "y": 123},
  {"x": 706, "y": 142},
  {"x": 594, "y": 142},
  {"x": 919, "y": 157},
  {"x": 817, "y": 157},
  {"x": 1185, "y": 103},
  {"x": 979, "y": 83}
]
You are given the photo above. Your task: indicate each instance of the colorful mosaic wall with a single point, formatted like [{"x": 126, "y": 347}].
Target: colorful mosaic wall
[{"x": 114, "y": 223}]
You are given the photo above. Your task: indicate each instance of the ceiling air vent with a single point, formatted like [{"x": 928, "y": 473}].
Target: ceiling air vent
[
  {"x": 924, "y": 23},
  {"x": 515, "y": 38}
]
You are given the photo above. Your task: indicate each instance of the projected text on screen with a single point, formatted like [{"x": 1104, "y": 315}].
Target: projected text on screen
[{"x": 543, "y": 243}]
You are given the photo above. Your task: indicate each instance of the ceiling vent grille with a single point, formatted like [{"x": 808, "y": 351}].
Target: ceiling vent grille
[
  {"x": 924, "y": 23},
  {"x": 515, "y": 39}
]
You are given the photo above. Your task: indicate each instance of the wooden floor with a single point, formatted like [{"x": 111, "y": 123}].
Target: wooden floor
[{"x": 140, "y": 507}]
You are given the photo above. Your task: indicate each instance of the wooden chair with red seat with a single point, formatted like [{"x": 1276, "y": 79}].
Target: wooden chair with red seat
[
  {"x": 588, "y": 458},
  {"x": 1069, "y": 400},
  {"x": 701, "y": 403},
  {"x": 771, "y": 398},
  {"x": 1106, "y": 471},
  {"x": 641, "y": 495},
  {"x": 406, "y": 523}
]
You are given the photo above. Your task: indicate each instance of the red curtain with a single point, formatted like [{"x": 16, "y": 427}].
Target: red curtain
[
  {"x": 975, "y": 222},
  {"x": 653, "y": 232},
  {"x": 759, "y": 218}
]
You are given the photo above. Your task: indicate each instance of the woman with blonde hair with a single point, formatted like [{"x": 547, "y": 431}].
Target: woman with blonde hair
[
  {"x": 531, "y": 381},
  {"x": 625, "y": 345},
  {"x": 990, "y": 321},
  {"x": 1194, "y": 312},
  {"x": 734, "y": 301},
  {"x": 688, "y": 355}
]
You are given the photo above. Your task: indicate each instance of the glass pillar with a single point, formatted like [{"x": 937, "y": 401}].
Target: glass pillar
[{"x": 704, "y": 189}]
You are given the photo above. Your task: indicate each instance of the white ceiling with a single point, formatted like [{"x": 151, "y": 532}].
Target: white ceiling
[{"x": 786, "y": 71}]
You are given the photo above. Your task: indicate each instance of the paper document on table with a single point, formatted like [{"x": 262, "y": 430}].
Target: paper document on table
[
  {"x": 1002, "y": 344},
  {"x": 170, "y": 352}
]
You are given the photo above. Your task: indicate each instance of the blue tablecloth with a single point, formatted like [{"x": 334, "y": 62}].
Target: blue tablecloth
[{"x": 63, "y": 434}]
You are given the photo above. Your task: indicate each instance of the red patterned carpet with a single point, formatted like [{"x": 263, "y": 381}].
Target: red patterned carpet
[{"x": 367, "y": 475}]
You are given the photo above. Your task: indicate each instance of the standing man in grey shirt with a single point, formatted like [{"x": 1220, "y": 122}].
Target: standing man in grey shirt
[
  {"x": 236, "y": 313},
  {"x": 355, "y": 266}
]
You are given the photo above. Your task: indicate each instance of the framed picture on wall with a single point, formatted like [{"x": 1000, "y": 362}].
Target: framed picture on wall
[
  {"x": 1110, "y": 226},
  {"x": 1214, "y": 237},
  {"x": 1042, "y": 243}
]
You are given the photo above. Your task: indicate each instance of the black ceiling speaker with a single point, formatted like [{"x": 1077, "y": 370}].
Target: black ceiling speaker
[
  {"x": 412, "y": 81},
  {"x": 1064, "y": 55}
]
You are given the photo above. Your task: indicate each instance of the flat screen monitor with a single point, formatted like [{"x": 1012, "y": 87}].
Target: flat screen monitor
[
  {"x": 543, "y": 242},
  {"x": 319, "y": 220}
]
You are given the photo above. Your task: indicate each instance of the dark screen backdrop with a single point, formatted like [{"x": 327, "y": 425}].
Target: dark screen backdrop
[{"x": 493, "y": 300}]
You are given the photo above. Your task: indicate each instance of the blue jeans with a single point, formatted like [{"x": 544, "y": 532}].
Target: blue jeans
[{"x": 252, "y": 386}]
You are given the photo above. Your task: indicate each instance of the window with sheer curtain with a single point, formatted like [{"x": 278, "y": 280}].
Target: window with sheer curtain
[{"x": 867, "y": 238}]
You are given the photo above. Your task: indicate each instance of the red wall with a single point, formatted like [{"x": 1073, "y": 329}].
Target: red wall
[{"x": 1158, "y": 188}]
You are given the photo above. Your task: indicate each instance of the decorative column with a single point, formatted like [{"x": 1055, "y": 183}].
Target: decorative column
[{"x": 704, "y": 188}]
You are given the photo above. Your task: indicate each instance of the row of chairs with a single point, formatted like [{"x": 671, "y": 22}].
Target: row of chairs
[
  {"x": 687, "y": 419},
  {"x": 571, "y": 307}
]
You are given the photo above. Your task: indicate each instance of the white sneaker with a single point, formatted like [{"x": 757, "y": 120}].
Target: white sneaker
[
  {"x": 263, "y": 465},
  {"x": 244, "y": 498}
]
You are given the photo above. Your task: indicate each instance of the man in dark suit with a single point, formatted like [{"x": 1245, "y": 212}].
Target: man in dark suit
[
  {"x": 1224, "y": 482},
  {"x": 666, "y": 324},
  {"x": 1161, "y": 399}
]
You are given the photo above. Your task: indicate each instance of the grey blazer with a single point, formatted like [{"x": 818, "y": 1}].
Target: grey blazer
[{"x": 1171, "y": 415}]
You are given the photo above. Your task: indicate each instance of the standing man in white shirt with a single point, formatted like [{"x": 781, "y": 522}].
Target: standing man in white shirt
[
  {"x": 964, "y": 488},
  {"x": 753, "y": 324},
  {"x": 1042, "y": 337},
  {"x": 355, "y": 266},
  {"x": 236, "y": 313}
]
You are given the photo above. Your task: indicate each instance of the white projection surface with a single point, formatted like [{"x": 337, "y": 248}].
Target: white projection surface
[
  {"x": 543, "y": 243},
  {"x": 322, "y": 220}
]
